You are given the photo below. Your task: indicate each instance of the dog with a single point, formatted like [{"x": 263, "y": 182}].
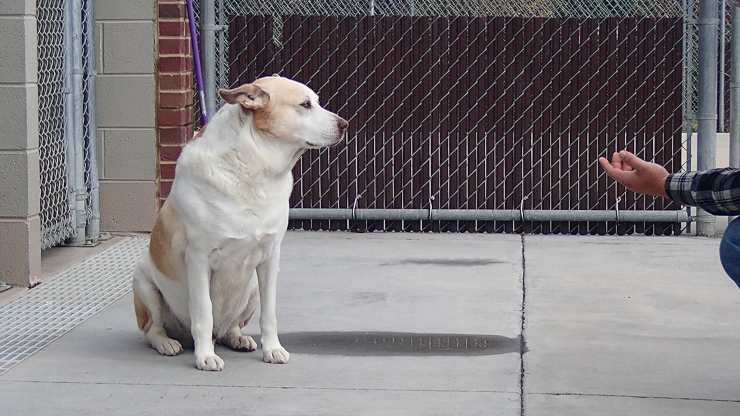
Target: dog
[{"x": 214, "y": 251}]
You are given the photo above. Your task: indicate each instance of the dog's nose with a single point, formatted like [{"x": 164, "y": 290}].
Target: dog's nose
[{"x": 342, "y": 124}]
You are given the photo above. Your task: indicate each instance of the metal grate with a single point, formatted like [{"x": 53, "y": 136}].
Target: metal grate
[
  {"x": 50, "y": 310},
  {"x": 56, "y": 218}
]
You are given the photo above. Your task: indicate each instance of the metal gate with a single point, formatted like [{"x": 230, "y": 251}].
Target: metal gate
[
  {"x": 475, "y": 116},
  {"x": 66, "y": 69}
]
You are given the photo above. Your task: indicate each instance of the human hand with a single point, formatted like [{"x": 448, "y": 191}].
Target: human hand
[{"x": 636, "y": 174}]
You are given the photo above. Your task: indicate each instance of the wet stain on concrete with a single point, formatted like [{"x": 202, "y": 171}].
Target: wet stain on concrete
[
  {"x": 449, "y": 262},
  {"x": 398, "y": 344}
]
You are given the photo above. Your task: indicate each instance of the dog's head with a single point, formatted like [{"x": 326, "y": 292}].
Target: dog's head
[{"x": 283, "y": 109}]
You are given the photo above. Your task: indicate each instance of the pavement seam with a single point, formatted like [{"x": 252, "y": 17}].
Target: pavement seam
[
  {"x": 634, "y": 396},
  {"x": 522, "y": 334},
  {"x": 254, "y": 386}
]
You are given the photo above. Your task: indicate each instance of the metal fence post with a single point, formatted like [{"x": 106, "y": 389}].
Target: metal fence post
[
  {"x": 707, "y": 141},
  {"x": 689, "y": 115},
  {"x": 735, "y": 89},
  {"x": 74, "y": 139},
  {"x": 721, "y": 95},
  {"x": 93, "y": 221},
  {"x": 208, "y": 29},
  {"x": 69, "y": 156}
]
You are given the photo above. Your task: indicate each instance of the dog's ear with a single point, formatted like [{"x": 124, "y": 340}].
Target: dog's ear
[{"x": 249, "y": 96}]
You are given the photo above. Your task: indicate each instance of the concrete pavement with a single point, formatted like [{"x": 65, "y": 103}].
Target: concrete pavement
[
  {"x": 430, "y": 324},
  {"x": 617, "y": 325}
]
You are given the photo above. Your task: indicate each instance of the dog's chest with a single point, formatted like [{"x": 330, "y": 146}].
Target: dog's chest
[{"x": 242, "y": 253}]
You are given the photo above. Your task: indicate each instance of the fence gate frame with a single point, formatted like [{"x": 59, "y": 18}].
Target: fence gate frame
[
  {"x": 214, "y": 15},
  {"x": 70, "y": 205}
]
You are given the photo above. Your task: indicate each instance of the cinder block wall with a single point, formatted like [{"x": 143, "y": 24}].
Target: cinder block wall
[
  {"x": 20, "y": 227},
  {"x": 126, "y": 94}
]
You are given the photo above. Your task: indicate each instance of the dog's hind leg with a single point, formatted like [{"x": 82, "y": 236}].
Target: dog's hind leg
[
  {"x": 148, "y": 305},
  {"x": 233, "y": 337},
  {"x": 236, "y": 341}
]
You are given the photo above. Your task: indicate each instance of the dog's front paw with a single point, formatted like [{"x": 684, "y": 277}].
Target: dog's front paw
[
  {"x": 276, "y": 355},
  {"x": 209, "y": 363}
]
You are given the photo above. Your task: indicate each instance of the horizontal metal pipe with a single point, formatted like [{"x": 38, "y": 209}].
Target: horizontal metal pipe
[{"x": 678, "y": 216}]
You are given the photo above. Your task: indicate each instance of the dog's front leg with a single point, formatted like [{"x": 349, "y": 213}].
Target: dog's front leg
[
  {"x": 267, "y": 273},
  {"x": 201, "y": 311}
]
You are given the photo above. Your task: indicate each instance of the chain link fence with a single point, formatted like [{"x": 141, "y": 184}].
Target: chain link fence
[
  {"x": 478, "y": 105},
  {"x": 56, "y": 216},
  {"x": 66, "y": 122}
]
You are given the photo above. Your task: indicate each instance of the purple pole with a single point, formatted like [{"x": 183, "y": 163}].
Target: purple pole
[{"x": 196, "y": 63}]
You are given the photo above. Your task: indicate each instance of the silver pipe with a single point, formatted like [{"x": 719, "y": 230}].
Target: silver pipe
[
  {"x": 69, "y": 152},
  {"x": 208, "y": 30},
  {"x": 707, "y": 141},
  {"x": 689, "y": 161},
  {"x": 735, "y": 89},
  {"x": 721, "y": 94},
  {"x": 688, "y": 110},
  {"x": 678, "y": 216},
  {"x": 93, "y": 223},
  {"x": 77, "y": 140}
]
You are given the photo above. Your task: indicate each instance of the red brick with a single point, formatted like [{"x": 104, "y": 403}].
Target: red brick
[
  {"x": 169, "y": 153},
  {"x": 166, "y": 171},
  {"x": 175, "y": 64},
  {"x": 174, "y": 28},
  {"x": 164, "y": 188},
  {"x": 172, "y": 9},
  {"x": 174, "y": 46},
  {"x": 175, "y": 116},
  {"x": 175, "y": 135},
  {"x": 175, "y": 99},
  {"x": 175, "y": 81}
]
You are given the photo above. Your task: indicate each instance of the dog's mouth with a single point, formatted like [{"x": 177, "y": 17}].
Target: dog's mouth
[{"x": 312, "y": 145}]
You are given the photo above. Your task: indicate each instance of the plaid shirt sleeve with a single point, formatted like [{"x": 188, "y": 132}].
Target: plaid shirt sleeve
[{"x": 716, "y": 191}]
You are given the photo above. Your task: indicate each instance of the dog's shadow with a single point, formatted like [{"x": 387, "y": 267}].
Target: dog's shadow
[{"x": 399, "y": 343}]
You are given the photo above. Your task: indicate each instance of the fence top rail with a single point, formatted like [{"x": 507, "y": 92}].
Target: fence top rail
[{"x": 503, "y": 8}]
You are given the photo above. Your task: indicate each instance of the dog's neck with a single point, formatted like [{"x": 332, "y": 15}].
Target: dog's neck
[{"x": 251, "y": 153}]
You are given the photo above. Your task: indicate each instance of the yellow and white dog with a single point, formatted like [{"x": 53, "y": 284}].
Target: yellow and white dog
[{"x": 214, "y": 252}]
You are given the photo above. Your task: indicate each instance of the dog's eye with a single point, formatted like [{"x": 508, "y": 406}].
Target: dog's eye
[{"x": 306, "y": 104}]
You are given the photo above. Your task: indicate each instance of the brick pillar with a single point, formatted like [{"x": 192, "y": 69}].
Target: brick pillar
[{"x": 175, "y": 89}]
